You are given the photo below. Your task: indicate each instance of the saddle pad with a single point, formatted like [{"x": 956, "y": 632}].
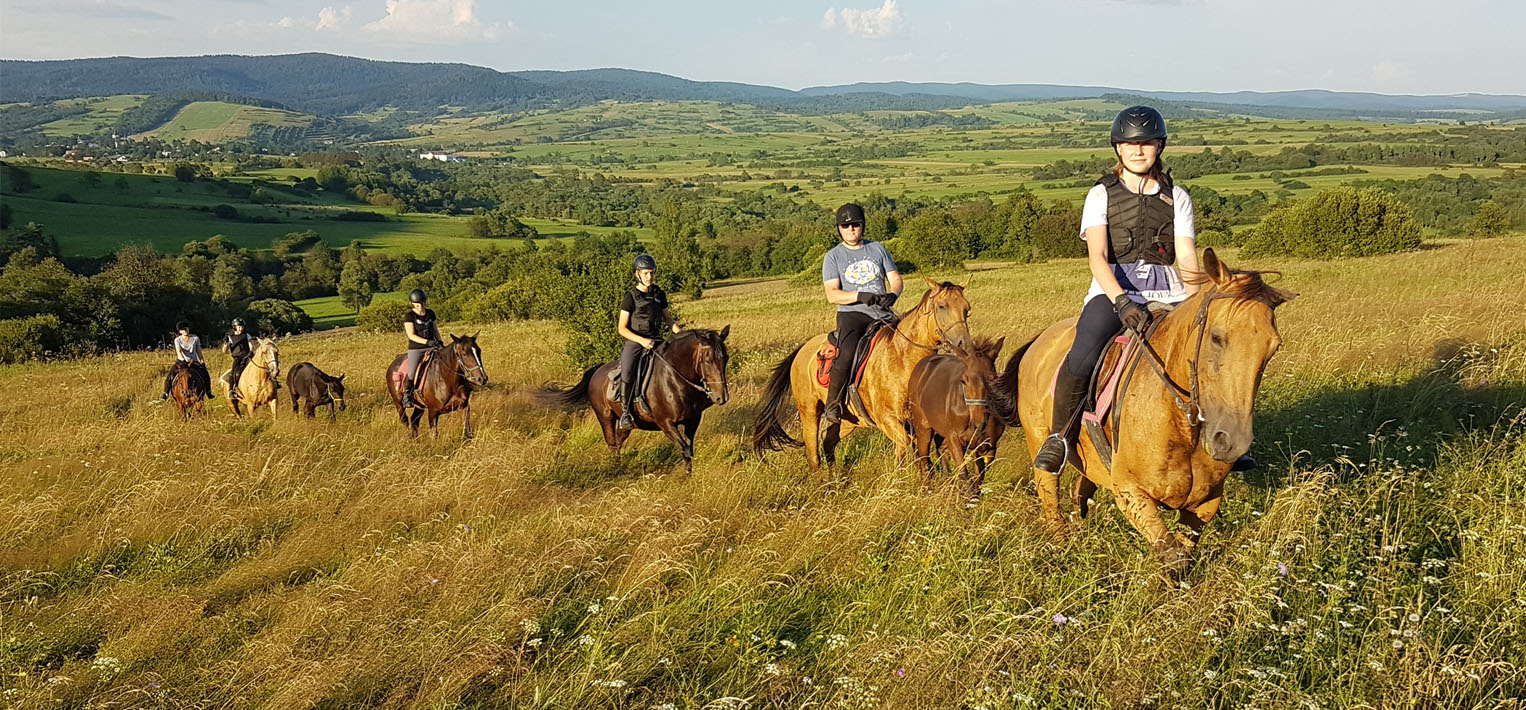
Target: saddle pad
[
  {"x": 824, "y": 358},
  {"x": 402, "y": 370},
  {"x": 1119, "y": 353}
]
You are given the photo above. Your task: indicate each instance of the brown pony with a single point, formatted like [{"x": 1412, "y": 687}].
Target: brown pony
[
  {"x": 689, "y": 375},
  {"x": 949, "y": 407},
  {"x": 1182, "y": 423},
  {"x": 449, "y": 379},
  {"x": 939, "y": 318},
  {"x": 190, "y": 390}
]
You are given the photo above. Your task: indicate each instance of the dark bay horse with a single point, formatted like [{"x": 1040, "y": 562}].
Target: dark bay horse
[
  {"x": 950, "y": 407},
  {"x": 449, "y": 379},
  {"x": 1182, "y": 422},
  {"x": 940, "y": 317},
  {"x": 305, "y": 380},
  {"x": 688, "y": 375}
]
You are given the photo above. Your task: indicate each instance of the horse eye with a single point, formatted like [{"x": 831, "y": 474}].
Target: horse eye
[{"x": 1217, "y": 336}]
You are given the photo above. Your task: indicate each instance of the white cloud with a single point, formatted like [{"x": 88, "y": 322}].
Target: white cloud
[
  {"x": 881, "y": 21},
  {"x": 286, "y": 23},
  {"x": 1389, "y": 71},
  {"x": 428, "y": 21},
  {"x": 331, "y": 19},
  {"x": 897, "y": 58}
]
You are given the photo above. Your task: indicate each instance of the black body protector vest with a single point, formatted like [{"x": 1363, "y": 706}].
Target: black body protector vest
[
  {"x": 647, "y": 317},
  {"x": 1139, "y": 226}
]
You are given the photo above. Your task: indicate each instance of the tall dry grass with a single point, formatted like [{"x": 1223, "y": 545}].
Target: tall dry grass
[{"x": 1376, "y": 560}]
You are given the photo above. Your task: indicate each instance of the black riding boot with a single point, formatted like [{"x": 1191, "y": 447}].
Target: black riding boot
[
  {"x": 835, "y": 389},
  {"x": 1069, "y": 393},
  {"x": 627, "y": 406},
  {"x": 409, "y": 397}
]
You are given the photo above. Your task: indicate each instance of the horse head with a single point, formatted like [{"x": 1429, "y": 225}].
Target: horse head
[
  {"x": 336, "y": 389},
  {"x": 710, "y": 358},
  {"x": 267, "y": 357},
  {"x": 979, "y": 361},
  {"x": 1235, "y": 339},
  {"x": 469, "y": 358},
  {"x": 942, "y": 315}
]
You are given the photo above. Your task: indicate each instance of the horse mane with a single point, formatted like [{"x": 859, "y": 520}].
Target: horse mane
[
  {"x": 986, "y": 346},
  {"x": 1248, "y": 285}
]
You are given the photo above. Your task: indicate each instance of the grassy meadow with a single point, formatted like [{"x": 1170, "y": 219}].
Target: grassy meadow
[{"x": 1375, "y": 560}]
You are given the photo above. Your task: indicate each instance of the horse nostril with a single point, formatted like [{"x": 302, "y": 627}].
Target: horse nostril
[{"x": 1220, "y": 442}]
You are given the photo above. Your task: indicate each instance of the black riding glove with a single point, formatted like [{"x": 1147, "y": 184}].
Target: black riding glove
[
  {"x": 436, "y": 343},
  {"x": 865, "y": 297},
  {"x": 1134, "y": 316},
  {"x": 888, "y": 300}
]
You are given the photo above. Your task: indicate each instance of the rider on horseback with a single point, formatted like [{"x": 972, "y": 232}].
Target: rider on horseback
[
  {"x": 187, "y": 356},
  {"x": 239, "y": 344},
  {"x": 423, "y": 334},
  {"x": 859, "y": 276},
  {"x": 643, "y": 313},
  {"x": 1138, "y": 228}
]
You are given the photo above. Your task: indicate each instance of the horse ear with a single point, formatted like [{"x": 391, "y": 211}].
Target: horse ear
[
  {"x": 995, "y": 348},
  {"x": 725, "y": 332},
  {"x": 967, "y": 279},
  {"x": 1214, "y": 268},
  {"x": 474, "y": 335},
  {"x": 958, "y": 351},
  {"x": 341, "y": 377},
  {"x": 931, "y": 284}
]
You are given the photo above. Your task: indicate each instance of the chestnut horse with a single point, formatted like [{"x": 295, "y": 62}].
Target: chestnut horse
[
  {"x": 258, "y": 384},
  {"x": 1183, "y": 421},
  {"x": 449, "y": 378},
  {"x": 949, "y": 407},
  {"x": 940, "y": 317},
  {"x": 689, "y": 375},
  {"x": 190, "y": 389}
]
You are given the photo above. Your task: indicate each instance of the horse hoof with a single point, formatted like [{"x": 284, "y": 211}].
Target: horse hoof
[{"x": 1174, "y": 560}]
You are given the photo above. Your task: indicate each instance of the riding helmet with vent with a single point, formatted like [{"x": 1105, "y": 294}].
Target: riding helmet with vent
[
  {"x": 645, "y": 261},
  {"x": 1138, "y": 124},
  {"x": 416, "y": 296}
]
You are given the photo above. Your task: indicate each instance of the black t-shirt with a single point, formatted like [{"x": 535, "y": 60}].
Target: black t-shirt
[
  {"x": 424, "y": 326},
  {"x": 648, "y": 310},
  {"x": 239, "y": 345}
]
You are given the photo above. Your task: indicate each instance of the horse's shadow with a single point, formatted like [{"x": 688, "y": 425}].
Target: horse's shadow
[{"x": 1403, "y": 424}]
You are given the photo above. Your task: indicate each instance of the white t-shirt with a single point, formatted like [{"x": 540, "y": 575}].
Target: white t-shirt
[{"x": 1142, "y": 281}]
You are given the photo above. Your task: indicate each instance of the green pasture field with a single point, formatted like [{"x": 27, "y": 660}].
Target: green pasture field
[
  {"x": 166, "y": 213},
  {"x": 217, "y": 121},
  {"x": 329, "y": 312},
  {"x": 1374, "y": 560},
  {"x": 104, "y": 113}
]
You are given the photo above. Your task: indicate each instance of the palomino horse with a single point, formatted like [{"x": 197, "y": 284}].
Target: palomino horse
[
  {"x": 258, "y": 384},
  {"x": 1183, "y": 421},
  {"x": 689, "y": 375},
  {"x": 449, "y": 379},
  {"x": 949, "y": 407},
  {"x": 940, "y": 317}
]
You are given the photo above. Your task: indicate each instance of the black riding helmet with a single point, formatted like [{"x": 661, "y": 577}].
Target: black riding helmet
[
  {"x": 238, "y": 322},
  {"x": 645, "y": 261},
  {"x": 182, "y": 325},
  {"x": 1138, "y": 124},
  {"x": 417, "y": 296}
]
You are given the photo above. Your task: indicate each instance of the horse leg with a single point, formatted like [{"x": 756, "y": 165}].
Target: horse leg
[
  {"x": 1195, "y": 518},
  {"x": 959, "y": 451},
  {"x": 333, "y": 412},
  {"x": 413, "y": 422},
  {"x": 810, "y": 433},
  {"x": 310, "y": 410},
  {"x": 466, "y": 433},
  {"x": 1048, "y": 485},
  {"x": 830, "y": 438},
  {"x": 923, "y": 442},
  {"x": 1143, "y": 513},
  {"x": 1084, "y": 490},
  {"x": 434, "y": 421},
  {"x": 685, "y": 446}
]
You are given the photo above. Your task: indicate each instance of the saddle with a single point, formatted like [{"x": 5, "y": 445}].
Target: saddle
[
  {"x": 642, "y": 377},
  {"x": 418, "y": 378},
  {"x": 829, "y": 352},
  {"x": 1110, "y": 379}
]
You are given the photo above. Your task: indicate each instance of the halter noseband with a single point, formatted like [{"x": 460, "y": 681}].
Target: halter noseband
[{"x": 1186, "y": 398}]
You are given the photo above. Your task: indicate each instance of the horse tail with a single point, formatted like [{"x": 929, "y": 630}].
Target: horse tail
[
  {"x": 554, "y": 396},
  {"x": 768, "y": 431},
  {"x": 1003, "y": 391}
]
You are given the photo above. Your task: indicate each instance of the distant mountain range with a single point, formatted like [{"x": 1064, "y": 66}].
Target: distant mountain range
[{"x": 330, "y": 85}]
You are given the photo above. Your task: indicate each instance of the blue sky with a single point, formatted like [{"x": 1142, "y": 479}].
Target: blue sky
[{"x": 1392, "y": 46}]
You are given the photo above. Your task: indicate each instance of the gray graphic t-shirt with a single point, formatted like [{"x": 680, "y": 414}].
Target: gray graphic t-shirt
[{"x": 861, "y": 269}]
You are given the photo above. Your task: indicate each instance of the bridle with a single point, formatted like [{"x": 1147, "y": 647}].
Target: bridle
[
  {"x": 466, "y": 372},
  {"x": 1186, "y": 398},
  {"x": 272, "y": 366},
  {"x": 704, "y": 382},
  {"x": 937, "y": 328}
]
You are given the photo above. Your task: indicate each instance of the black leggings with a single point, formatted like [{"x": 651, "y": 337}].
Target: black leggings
[
  {"x": 850, "y": 329},
  {"x": 1098, "y": 324}
]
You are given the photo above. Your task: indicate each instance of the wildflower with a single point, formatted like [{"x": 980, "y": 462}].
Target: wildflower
[
  {"x": 900, "y": 672},
  {"x": 1210, "y": 675},
  {"x": 433, "y": 582},
  {"x": 771, "y": 669},
  {"x": 106, "y": 664},
  {"x": 1398, "y": 644},
  {"x": 594, "y": 608},
  {"x": 837, "y": 641},
  {"x": 787, "y": 644},
  {"x": 532, "y": 643},
  {"x": 1282, "y": 569},
  {"x": 1414, "y": 617},
  {"x": 1210, "y": 633},
  {"x": 1060, "y": 620},
  {"x": 585, "y": 640},
  {"x": 531, "y": 627}
]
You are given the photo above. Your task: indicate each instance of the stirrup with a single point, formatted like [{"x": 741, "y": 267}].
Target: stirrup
[
  {"x": 1045, "y": 451},
  {"x": 626, "y": 421}
]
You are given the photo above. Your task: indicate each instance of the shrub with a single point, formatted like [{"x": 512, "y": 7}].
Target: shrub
[
  {"x": 1490, "y": 220},
  {"x": 1218, "y": 238},
  {"x": 1342, "y": 222},
  {"x": 273, "y": 316},
  {"x": 382, "y": 317},
  {"x": 30, "y": 338},
  {"x": 225, "y": 212}
]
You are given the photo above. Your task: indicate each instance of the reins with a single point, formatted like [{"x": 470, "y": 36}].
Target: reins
[{"x": 1186, "y": 398}]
